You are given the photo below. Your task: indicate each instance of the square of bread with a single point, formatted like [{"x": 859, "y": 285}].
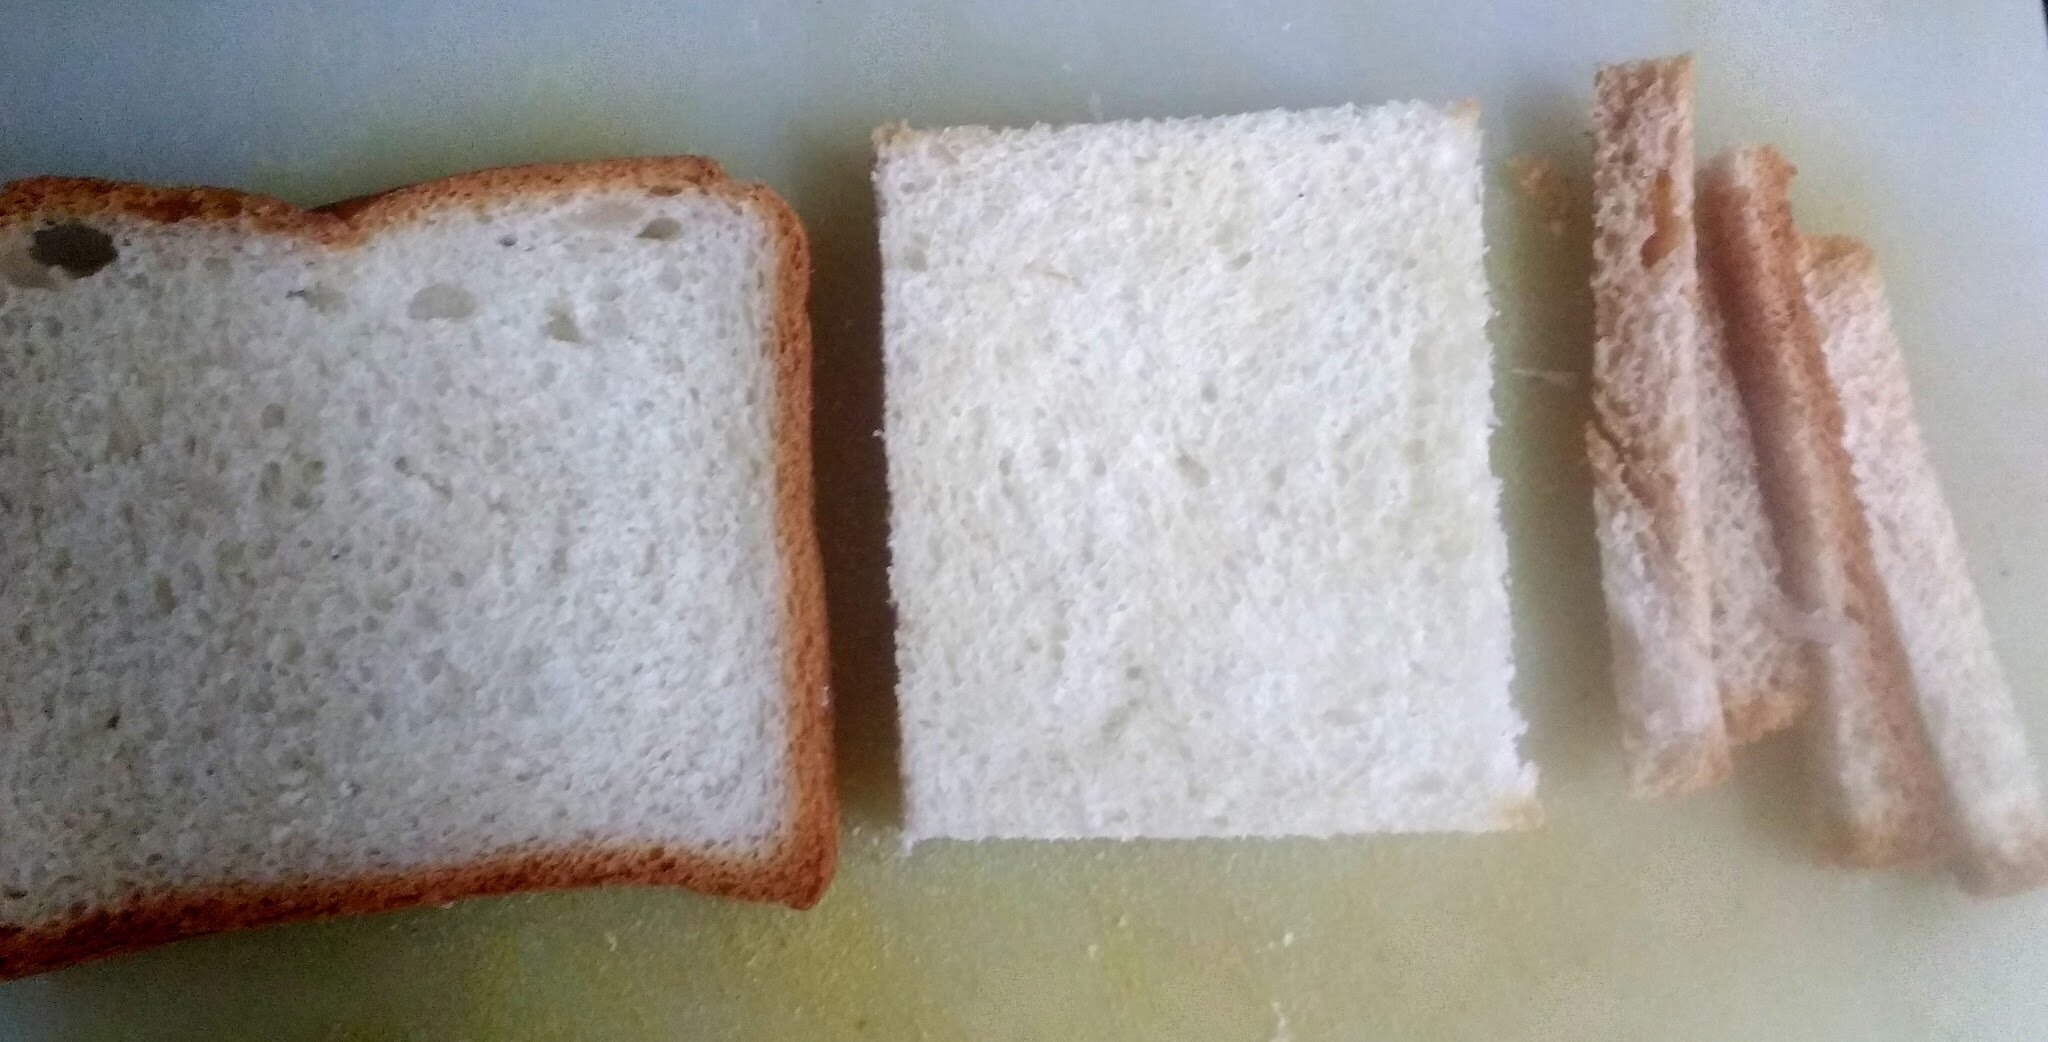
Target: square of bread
[{"x": 1193, "y": 529}]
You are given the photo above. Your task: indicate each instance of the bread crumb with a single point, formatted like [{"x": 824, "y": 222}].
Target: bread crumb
[
  {"x": 1287, "y": 939},
  {"x": 1542, "y": 185},
  {"x": 1095, "y": 951},
  {"x": 611, "y": 941},
  {"x": 1282, "y": 1031}
]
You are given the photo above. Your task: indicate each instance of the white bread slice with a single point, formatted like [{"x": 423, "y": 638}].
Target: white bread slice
[
  {"x": 1644, "y": 441},
  {"x": 1193, "y": 528},
  {"x": 1965, "y": 705},
  {"x": 1882, "y": 785},
  {"x": 453, "y": 541}
]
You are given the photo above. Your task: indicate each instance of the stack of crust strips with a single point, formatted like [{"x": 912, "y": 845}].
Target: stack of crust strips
[{"x": 1774, "y": 542}]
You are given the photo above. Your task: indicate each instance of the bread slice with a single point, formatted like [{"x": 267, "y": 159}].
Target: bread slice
[
  {"x": 454, "y": 541},
  {"x": 1883, "y": 786},
  {"x": 1193, "y": 527},
  {"x": 1644, "y": 441},
  {"x": 1965, "y": 705}
]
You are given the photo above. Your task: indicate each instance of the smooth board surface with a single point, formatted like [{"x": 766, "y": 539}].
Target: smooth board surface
[{"x": 1922, "y": 128}]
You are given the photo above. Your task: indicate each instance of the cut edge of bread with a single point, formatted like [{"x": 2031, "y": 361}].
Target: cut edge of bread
[
  {"x": 1876, "y": 764},
  {"x": 792, "y": 869},
  {"x": 1643, "y": 441}
]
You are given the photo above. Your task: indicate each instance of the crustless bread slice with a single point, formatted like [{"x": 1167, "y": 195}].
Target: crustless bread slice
[
  {"x": 1194, "y": 532},
  {"x": 452, "y": 541}
]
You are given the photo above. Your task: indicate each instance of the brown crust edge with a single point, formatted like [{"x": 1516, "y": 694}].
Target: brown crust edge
[
  {"x": 795, "y": 871},
  {"x": 1763, "y": 262},
  {"x": 1983, "y": 869},
  {"x": 1632, "y": 465}
]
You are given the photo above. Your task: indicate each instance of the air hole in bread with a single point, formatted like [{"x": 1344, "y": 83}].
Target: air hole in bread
[
  {"x": 442, "y": 300},
  {"x": 508, "y": 241},
  {"x": 78, "y": 249},
  {"x": 162, "y": 596},
  {"x": 661, "y": 229},
  {"x": 270, "y": 484},
  {"x": 1665, "y": 227},
  {"x": 914, "y": 259},
  {"x": 1208, "y": 392},
  {"x": 324, "y": 299},
  {"x": 562, "y": 326},
  {"x": 1192, "y": 471}
]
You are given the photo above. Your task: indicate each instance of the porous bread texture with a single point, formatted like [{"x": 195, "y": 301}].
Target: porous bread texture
[
  {"x": 1879, "y": 775},
  {"x": 1193, "y": 531},
  {"x": 1760, "y": 658},
  {"x": 1964, "y": 702},
  {"x": 458, "y": 544},
  {"x": 1644, "y": 441}
]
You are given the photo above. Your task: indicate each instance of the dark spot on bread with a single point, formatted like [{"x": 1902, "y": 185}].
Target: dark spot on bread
[
  {"x": 79, "y": 249},
  {"x": 661, "y": 229}
]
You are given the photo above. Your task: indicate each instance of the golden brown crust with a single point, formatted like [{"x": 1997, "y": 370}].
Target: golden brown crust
[
  {"x": 351, "y": 221},
  {"x": 1762, "y": 713},
  {"x": 1885, "y": 787},
  {"x": 149, "y": 921},
  {"x": 1996, "y": 821},
  {"x": 813, "y": 845},
  {"x": 1643, "y": 439},
  {"x": 796, "y": 871}
]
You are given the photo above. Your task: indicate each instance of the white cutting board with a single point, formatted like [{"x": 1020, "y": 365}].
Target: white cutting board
[{"x": 1922, "y": 127}]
